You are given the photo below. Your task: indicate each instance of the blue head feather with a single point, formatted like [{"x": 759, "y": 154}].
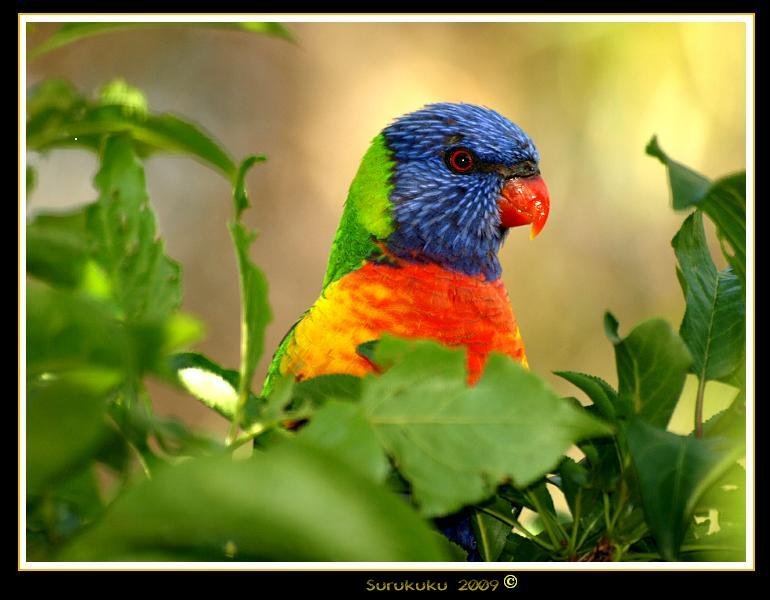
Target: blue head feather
[{"x": 441, "y": 216}]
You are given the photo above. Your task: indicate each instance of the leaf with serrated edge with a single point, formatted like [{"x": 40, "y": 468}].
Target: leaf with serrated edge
[
  {"x": 652, "y": 363},
  {"x": 121, "y": 225},
  {"x": 714, "y": 321},
  {"x": 456, "y": 444},
  {"x": 599, "y": 391}
]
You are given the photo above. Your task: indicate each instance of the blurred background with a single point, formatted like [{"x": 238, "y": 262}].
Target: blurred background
[{"x": 590, "y": 95}]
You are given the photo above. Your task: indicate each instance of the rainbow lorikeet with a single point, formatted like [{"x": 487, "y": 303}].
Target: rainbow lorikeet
[{"x": 415, "y": 254}]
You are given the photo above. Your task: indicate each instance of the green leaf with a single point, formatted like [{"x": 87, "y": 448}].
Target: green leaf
[
  {"x": 290, "y": 503},
  {"x": 209, "y": 384},
  {"x": 255, "y": 309},
  {"x": 520, "y": 549},
  {"x": 574, "y": 476},
  {"x": 180, "y": 330},
  {"x": 118, "y": 93},
  {"x": 65, "y": 424},
  {"x": 722, "y": 536},
  {"x": 144, "y": 281},
  {"x": 730, "y": 422},
  {"x": 715, "y": 317},
  {"x": 599, "y": 391},
  {"x": 688, "y": 187},
  {"x": 318, "y": 390},
  {"x": 72, "y": 32},
  {"x": 367, "y": 349},
  {"x": 341, "y": 429},
  {"x": 456, "y": 444},
  {"x": 725, "y": 204},
  {"x": 68, "y": 332},
  {"x": 57, "y": 117},
  {"x": 240, "y": 196},
  {"x": 611, "y": 328},
  {"x": 491, "y": 533},
  {"x": 652, "y": 363},
  {"x": 57, "y": 247},
  {"x": 674, "y": 471},
  {"x": 50, "y": 100}
]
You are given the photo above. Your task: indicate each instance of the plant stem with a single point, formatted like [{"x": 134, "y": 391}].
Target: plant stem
[
  {"x": 587, "y": 531},
  {"x": 607, "y": 520},
  {"x": 621, "y": 503},
  {"x": 699, "y": 407},
  {"x": 548, "y": 522},
  {"x": 575, "y": 521}
]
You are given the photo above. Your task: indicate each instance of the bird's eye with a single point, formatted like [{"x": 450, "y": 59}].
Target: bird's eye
[{"x": 461, "y": 160}]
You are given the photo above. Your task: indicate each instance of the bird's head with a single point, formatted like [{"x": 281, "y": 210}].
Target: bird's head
[{"x": 443, "y": 185}]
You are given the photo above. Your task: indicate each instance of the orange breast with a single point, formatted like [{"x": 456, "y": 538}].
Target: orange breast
[{"x": 408, "y": 300}]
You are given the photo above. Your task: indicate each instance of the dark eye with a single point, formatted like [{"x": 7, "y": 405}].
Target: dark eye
[{"x": 461, "y": 160}]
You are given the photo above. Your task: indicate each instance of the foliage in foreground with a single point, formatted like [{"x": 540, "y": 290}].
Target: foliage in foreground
[{"x": 380, "y": 457}]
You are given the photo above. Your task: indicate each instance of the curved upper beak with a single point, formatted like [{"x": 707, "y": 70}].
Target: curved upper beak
[{"x": 524, "y": 201}]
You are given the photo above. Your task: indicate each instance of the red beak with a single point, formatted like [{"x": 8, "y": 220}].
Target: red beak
[{"x": 524, "y": 201}]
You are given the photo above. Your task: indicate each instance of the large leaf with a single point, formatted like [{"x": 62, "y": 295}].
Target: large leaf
[
  {"x": 58, "y": 117},
  {"x": 652, "y": 363},
  {"x": 145, "y": 283},
  {"x": 714, "y": 320},
  {"x": 65, "y": 424},
  {"x": 291, "y": 503},
  {"x": 674, "y": 471},
  {"x": 455, "y": 444},
  {"x": 72, "y": 32}
]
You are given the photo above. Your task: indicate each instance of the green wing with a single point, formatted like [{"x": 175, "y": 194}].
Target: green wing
[
  {"x": 366, "y": 218},
  {"x": 273, "y": 371}
]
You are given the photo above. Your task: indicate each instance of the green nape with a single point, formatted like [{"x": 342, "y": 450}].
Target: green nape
[
  {"x": 367, "y": 215},
  {"x": 366, "y": 218}
]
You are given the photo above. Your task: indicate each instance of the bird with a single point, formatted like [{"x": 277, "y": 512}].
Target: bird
[{"x": 416, "y": 251}]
